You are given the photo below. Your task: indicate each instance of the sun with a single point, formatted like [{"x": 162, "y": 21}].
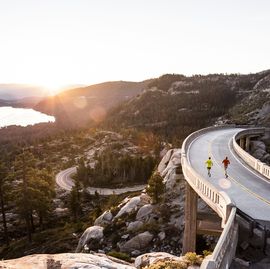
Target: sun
[{"x": 52, "y": 88}]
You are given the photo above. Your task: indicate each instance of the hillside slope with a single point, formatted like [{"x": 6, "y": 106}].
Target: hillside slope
[
  {"x": 82, "y": 105},
  {"x": 255, "y": 107},
  {"x": 173, "y": 106}
]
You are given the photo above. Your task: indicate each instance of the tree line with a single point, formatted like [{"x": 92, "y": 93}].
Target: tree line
[
  {"x": 175, "y": 110},
  {"x": 115, "y": 169},
  {"x": 25, "y": 190}
]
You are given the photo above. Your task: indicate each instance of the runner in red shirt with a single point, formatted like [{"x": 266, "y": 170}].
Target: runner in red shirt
[{"x": 226, "y": 162}]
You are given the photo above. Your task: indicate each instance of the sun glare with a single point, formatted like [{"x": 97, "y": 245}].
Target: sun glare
[{"x": 53, "y": 88}]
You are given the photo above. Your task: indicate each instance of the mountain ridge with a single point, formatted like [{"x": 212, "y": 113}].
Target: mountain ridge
[
  {"x": 175, "y": 105},
  {"x": 80, "y": 106}
]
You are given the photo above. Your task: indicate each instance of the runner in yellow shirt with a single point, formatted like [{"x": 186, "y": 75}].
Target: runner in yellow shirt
[{"x": 209, "y": 165}]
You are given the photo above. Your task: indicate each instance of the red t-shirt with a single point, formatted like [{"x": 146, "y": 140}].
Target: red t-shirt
[{"x": 226, "y": 162}]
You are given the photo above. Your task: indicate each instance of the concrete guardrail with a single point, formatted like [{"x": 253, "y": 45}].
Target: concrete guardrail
[
  {"x": 254, "y": 163},
  {"x": 219, "y": 201},
  {"x": 226, "y": 246}
]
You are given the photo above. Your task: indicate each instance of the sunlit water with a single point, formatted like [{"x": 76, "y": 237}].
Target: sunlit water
[{"x": 22, "y": 116}]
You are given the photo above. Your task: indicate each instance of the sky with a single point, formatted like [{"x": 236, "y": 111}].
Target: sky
[{"x": 56, "y": 43}]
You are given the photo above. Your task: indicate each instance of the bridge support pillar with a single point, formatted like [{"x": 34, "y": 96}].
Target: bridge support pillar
[
  {"x": 247, "y": 143},
  {"x": 189, "y": 242},
  {"x": 242, "y": 142}
]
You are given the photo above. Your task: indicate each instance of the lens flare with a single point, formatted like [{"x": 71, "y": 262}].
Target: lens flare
[
  {"x": 80, "y": 102},
  {"x": 98, "y": 114},
  {"x": 224, "y": 183}
]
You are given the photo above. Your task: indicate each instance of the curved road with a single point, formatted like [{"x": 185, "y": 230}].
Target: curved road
[
  {"x": 249, "y": 190},
  {"x": 64, "y": 180}
]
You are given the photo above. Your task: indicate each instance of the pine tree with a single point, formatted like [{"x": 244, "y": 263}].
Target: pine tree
[
  {"x": 82, "y": 172},
  {"x": 97, "y": 209},
  {"x": 43, "y": 194},
  {"x": 4, "y": 197},
  {"x": 156, "y": 188},
  {"x": 75, "y": 201},
  {"x": 24, "y": 172}
]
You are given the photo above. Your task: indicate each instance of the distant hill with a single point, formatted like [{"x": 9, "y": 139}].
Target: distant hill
[
  {"x": 89, "y": 104},
  {"x": 27, "y": 102},
  {"x": 173, "y": 105},
  {"x": 19, "y": 91},
  {"x": 254, "y": 108},
  {"x": 4, "y": 102}
]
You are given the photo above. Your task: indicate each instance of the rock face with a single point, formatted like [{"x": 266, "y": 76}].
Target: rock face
[
  {"x": 266, "y": 138},
  {"x": 104, "y": 219},
  {"x": 66, "y": 261},
  {"x": 88, "y": 261},
  {"x": 144, "y": 212},
  {"x": 92, "y": 233},
  {"x": 258, "y": 150},
  {"x": 131, "y": 205},
  {"x": 169, "y": 169},
  {"x": 149, "y": 258},
  {"x": 152, "y": 258},
  {"x": 138, "y": 242},
  {"x": 136, "y": 226}
]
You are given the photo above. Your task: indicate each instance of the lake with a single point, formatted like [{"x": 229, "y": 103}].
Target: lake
[{"x": 22, "y": 116}]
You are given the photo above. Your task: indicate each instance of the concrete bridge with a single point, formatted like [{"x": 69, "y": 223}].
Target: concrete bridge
[{"x": 245, "y": 193}]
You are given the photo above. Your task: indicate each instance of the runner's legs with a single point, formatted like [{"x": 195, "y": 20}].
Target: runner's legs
[{"x": 225, "y": 170}]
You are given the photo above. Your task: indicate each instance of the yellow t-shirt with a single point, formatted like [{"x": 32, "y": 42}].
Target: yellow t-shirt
[{"x": 209, "y": 163}]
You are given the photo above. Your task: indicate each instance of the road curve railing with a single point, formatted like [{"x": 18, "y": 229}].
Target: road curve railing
[
  {"x": 254, "y": 163},
  {"x": 219, "y": 201},
  {"x": 225, "y": 248}
]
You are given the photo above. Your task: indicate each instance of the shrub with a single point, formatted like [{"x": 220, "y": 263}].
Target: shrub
[
  {"x": 115, "y": 239},
  {"x": 150, "y": 227},
  {"x": 156, "y": 188},
  {"x": 170, "y": 264},
  {"x": 79, "y": 227},
  {"x": 120, "y": 255},
  {"x": 114, "y": 210},
  {"x": 115, "y": 227},
  {"x": 206, "y": 253},
  {"x": 165, "y": 213},
  {"x": 192, "y": 258}
]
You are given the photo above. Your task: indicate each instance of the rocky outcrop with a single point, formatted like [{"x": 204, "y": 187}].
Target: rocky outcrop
[
  {"x": 90, "y": 261},
  {"x": 136, "y": 226},
  {"x": 170, "y": 169},
  {"x": 66, "y": 261},
  {"x": 258, "y": 150},
  {"x": 130, "y": 206},
  {"x": 144, "y": 212},
  {"x": 159, "y": 260},
  {"x": 93, "y": 233},
  {"x": 149, "y": 258},
  {"x": 104, "y": 219},
  {"x": 138, "y": 242}
]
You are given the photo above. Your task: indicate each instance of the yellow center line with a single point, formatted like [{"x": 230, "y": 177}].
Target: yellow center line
[{"x": 234, "y": 180}]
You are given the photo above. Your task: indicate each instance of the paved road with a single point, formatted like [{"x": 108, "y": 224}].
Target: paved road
[
  {"x": 64, "y": 180},
  {"x": 249, "y": 190}
]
